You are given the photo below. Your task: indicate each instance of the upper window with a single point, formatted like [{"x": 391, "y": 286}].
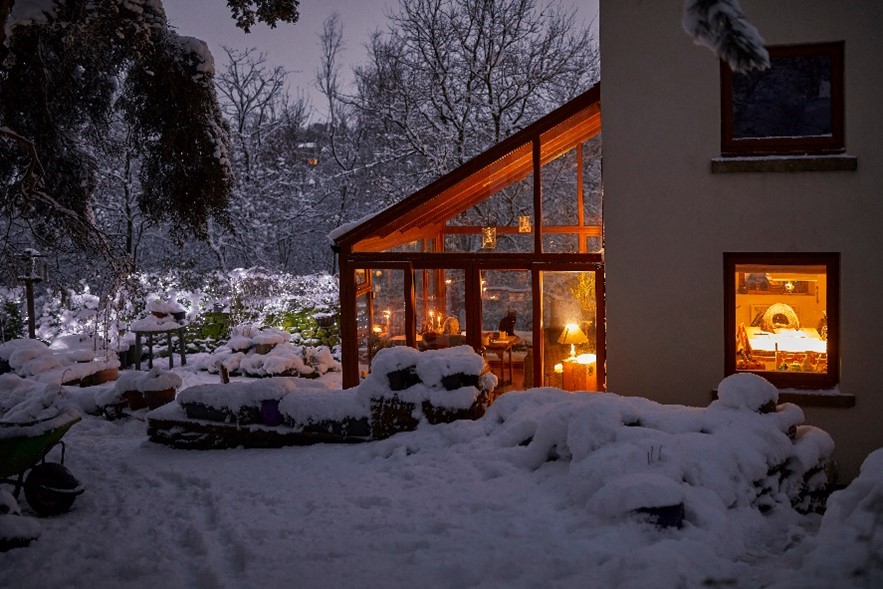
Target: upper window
[
  {"x": 782, "y": 317},
  {"x": 794, "y": 107}
]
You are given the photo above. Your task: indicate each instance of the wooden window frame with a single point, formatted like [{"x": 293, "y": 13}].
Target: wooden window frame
[
  {"x": 797, "y": 380},
  {"x": 810, "y": 144}
]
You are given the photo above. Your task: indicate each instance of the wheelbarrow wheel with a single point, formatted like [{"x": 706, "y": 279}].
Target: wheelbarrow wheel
[{"x": 51, "y": 488}]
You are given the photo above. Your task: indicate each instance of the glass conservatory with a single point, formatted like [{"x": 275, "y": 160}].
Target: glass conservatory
[{"x": 504, "y": 254}]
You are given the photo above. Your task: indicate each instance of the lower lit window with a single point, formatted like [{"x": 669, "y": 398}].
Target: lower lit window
[{"x": 782, "y": 318}]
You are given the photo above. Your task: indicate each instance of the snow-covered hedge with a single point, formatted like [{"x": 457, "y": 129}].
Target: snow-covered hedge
[{"x": 296, "y": 303}]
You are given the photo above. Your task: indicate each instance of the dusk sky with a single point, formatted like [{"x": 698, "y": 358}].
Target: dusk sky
[{"x": 296, "y": 47}]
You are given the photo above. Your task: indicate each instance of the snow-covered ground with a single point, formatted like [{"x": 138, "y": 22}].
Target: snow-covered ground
[{"x": 538, "y": 493}]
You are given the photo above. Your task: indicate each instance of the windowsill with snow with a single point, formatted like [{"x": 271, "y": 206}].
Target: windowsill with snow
[
  {"x": 812, "y": 398},
  {"x": 784, "y": 163}
]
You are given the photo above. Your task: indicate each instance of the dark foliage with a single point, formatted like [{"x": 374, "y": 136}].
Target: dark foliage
[
  {"x": 247, "y": 12},
  {"x": 60, "y": 83}
]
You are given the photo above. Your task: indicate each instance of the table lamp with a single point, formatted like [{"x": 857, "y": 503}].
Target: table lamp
[{"x": 572, "y": 335}]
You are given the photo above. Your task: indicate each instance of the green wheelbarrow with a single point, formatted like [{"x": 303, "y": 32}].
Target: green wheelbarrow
[{"x": 49, "y": 487}]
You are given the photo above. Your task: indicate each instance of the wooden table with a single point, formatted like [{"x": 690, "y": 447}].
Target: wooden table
[
  {"x": 500, "y": 347},
  {"x": 168, "y": 333}
]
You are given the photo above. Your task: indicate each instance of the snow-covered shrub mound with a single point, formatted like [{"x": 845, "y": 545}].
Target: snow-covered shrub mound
[
  {"x": 745, "y": 390},
  {"x": 268, "y": 352},
  {"x": 623, "y": 451},
  {"x": 849, "y": 545}
]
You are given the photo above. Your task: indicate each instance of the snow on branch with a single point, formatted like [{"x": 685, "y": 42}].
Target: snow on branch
[{"x": 721, "y": 26}]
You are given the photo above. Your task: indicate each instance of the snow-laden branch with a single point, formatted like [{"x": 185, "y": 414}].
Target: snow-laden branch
[{"x": 721, "y": 26}]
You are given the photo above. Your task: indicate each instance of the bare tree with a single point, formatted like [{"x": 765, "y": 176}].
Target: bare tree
[
  {"x": 269, "y": 204},
  {"x": 452, "y": 77}
]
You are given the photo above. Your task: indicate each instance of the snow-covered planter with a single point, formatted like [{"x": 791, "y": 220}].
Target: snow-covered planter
[
  {"x": 267, "y": 339},
  {"x": 136, "y": 390},
  {"x": 74, "y": 361},
  {"x": 406, "y": 387},
  {"x": 240, "y": 403},
  {"x": 340, "y": 414},
  {"x": 124, "y": 394},
  {"x": 162, "y": 308},
  {"x": 158, "y": 387}
]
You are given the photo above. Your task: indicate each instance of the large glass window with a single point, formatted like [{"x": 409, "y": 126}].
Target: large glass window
[
  {"x": 571, "y": 200},
  {"x": 782, "y": 317},
  {"x": 507, "y": 326},
  {"x": 441, "y": 308},
  {"x": 795, "y": 106},
  {"x": 501, "y": 220},
  {"x": 570, "y": 331}
]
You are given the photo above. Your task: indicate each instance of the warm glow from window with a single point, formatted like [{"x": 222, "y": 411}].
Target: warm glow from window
[{"x": 782, "y": 318}]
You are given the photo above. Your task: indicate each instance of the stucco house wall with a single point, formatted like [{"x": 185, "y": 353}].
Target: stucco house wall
[{"x": 669, "y": 219}]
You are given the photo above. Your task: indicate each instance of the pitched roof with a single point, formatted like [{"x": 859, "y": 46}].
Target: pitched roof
[{"x": 424, "y": 213}]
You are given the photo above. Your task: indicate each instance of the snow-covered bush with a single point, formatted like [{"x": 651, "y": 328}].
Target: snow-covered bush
[
  {"x": 623, "y": 450},
  {"x": 848, "y": 550},
  {"x": 268, "y": 352}
]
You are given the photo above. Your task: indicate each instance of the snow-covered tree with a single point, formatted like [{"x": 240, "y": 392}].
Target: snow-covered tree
[
  {"x": 69, "y": 71},
  {"x": 66, "y": 70},
  {"x": 272, "y": 205},
  {"x": 452, "y": 77}
]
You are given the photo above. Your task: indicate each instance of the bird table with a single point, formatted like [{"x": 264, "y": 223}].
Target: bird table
[{"x": 150, "y": 334}]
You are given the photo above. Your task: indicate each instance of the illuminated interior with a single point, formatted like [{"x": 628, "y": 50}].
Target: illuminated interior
[
  {"x": 783, "y": 319},
  {"x": 499, "y": 254}
]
